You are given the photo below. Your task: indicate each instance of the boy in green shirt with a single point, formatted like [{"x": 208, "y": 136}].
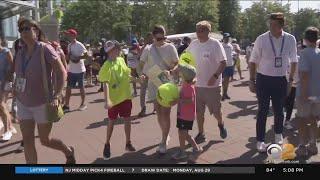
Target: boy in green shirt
[{"x": 115, "y": 75}]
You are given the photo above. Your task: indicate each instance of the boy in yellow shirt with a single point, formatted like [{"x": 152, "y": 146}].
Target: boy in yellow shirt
[{"x": 115, "y": 75}]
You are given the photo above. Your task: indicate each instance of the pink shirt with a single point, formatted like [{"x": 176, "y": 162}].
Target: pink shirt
[{"x": 187, "y": 111}]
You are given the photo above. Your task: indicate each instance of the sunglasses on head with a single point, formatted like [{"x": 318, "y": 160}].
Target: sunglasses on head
[{"x": 22, "y": 29}]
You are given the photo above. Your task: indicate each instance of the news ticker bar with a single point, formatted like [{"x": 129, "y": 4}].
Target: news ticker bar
[{"x": 135, "y": 170}]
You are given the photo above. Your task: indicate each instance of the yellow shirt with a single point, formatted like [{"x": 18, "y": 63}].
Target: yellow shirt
[{"x": 117, "y": 75}]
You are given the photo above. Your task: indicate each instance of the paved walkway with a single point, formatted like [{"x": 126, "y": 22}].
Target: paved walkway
[{"x": 86, "y": 131}]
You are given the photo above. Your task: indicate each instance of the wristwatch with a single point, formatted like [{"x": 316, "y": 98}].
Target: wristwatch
[{"x": 290, "y": 79}]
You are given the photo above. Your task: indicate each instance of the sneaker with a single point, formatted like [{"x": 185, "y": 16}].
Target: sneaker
[
  {"x": 106, "y": 152},
  {"x": 168, "y": 139},
  {"x": 278, "y": 139},
  {"x": 100, "y": 90},
  {"x": 312, "y": 149},
  {"x": 197, "y": 151},
  {"x": 223, "y": 97},
  {"x": 302, "y": 151},
  {"x": 162, "y": 149},
  {"x": 142, "y": 112},
  {"x": 83, "y": 107},
  {"x": 135, "y": 94},
  {"x": 20, "y": 148},
  {"x": 227, "y": 97},
  {"x": 130, "y": 148},
  {"x": 7, "y": 136},
  {"x": 71, "y": 158},
  {"x": 288, "y": 125},
  {"x": 200, "y": 138},
  {"x": 180, "y": 154},
  {"x": 13, "y": 130},
  {"x": 66, "y": 109},
  {"x": 1, "y": 125},
  {"x": 261, "y": 147},
  {"x": 223, "y": 131}
]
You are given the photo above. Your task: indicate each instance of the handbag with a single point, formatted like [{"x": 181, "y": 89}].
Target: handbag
[
  {"x": 54, "y": 113},
  {"x": 155, "y": 74}
]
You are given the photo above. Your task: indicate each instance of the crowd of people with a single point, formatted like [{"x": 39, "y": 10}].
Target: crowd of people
[{"x": 280, "y": 71}]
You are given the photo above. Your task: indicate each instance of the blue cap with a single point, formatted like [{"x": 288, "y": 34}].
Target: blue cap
[{"x": 226, "y": 35}]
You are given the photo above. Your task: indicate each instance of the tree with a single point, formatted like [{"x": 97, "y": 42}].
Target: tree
[
  {"x": 254, "y": 19},
  {"x": 97, "y": 19},
  {"x": 188, "y": 13},
  {"x": 229, "y": 17},
  {"x": 303, "y": 19}
]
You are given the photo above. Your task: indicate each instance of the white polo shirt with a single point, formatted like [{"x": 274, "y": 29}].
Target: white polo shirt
[
  {"x": 208, "y": 56},
  {"x": 263, "y": 55},
  {"x": 76, "y": 49},
  {"x": 228, "y": 48}
]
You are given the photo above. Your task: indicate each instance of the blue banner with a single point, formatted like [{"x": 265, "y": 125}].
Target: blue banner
[{"x": 38, "y": 170}]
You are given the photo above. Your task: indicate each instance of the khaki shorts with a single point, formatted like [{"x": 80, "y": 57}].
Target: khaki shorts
[
  {"x": 210, "y": 97},
  {"x": 152, "y": 92},
  {"x": 307, "y": 109},
  {"x": 37, "y": 113}
]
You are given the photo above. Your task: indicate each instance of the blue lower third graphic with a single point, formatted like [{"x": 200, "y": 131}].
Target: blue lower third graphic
[{"x": 39, "y": 170}]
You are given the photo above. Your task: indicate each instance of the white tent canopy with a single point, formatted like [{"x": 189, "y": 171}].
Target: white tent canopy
[{"x": 191, "y": 36}]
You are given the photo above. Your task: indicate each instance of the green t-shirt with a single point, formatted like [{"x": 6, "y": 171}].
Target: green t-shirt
[{"x": 117, "y": 75}]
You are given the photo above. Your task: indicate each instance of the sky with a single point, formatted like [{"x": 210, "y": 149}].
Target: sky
[{"x": 294, "y": 4}]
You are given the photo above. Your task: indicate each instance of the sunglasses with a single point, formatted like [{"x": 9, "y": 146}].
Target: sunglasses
[
  {"x": 161, "y": 39},
  {"x": 201, "y": 30},
  {"x": 22, "y": 29}
]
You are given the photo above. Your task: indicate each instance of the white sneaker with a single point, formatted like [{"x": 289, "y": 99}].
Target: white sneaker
[
  {"x": 168, "y": 139},
  {"x": 7, "y": 136},
  {"x": 278, "y": 139},
  {"x": 261, "y": 147},
  {"x": 1, "y": 125},
  {"x": 162, "y": 149},
  {"x": 13, "y": 130},
  {"x": 83, "y": 107},
  {"x": 288, "y": 125}
]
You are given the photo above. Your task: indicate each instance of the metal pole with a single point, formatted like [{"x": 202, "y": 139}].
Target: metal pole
[
  {"x": 50, "y": 7},
  {"x": 37, "y": 12}
]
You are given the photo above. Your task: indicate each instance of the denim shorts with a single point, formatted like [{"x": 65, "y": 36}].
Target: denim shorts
[
  {"x": 228, "y": 71},
  {"x": 74, "y": 79}
]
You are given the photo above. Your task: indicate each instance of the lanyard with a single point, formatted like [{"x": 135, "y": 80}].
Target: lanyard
[
  {"x": 273, "y": 48},
  {"x": 114, "y": 76},
  {"x": 26, "y": 61}
]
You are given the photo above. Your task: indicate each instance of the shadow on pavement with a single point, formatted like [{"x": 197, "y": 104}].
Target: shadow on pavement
[
  {"x": 87, "y": 93},
  {"x": 10, "y": 144},
  {"x": 247, "y": 108},
  {"x": 105, "y": 121},
  {"x": 139, "y": 157},
  {"x": 206, "y": 147},
  {"x": 97, "y": 101},
  {"x": 249, "y": 157},
  {"x": 242, "y": 84}
]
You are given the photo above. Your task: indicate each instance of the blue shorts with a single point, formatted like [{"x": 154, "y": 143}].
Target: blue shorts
[
  {"x": 74, "y": 78},
  {"x": 228, "y": 71}
]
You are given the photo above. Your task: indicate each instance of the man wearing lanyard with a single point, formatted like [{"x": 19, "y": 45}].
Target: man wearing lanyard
[{"x": 269, "y": 61}]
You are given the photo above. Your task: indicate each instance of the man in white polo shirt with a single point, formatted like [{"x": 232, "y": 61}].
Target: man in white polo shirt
[
  {"x": 210, "y": 62},
  {"x": 76, "y": 68},
  {"x": 228, "y": 71},
  {"x": 269, "y": 61}
]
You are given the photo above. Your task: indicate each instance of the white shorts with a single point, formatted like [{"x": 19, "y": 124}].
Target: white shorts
[{"x": 37, "y": 113}]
